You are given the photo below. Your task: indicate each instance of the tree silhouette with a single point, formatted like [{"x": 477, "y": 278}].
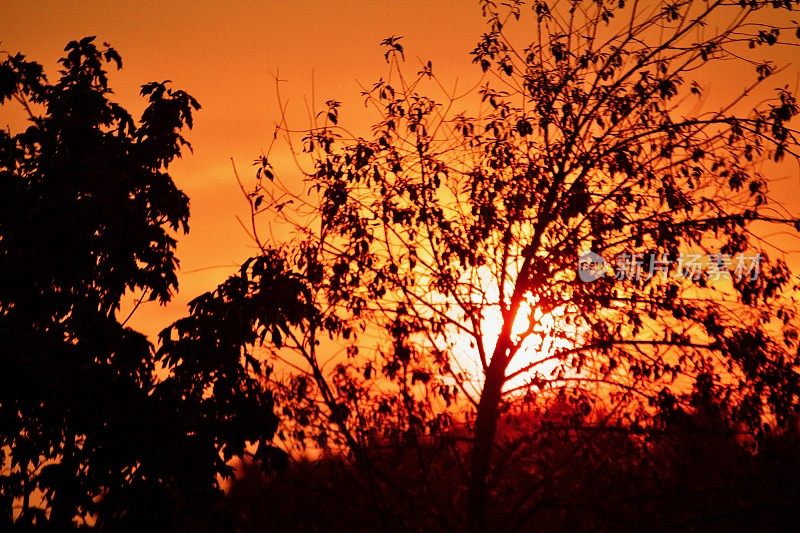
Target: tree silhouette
[
  {"x": 593, "y": 135},
  {"x": 89, "y": 214}
]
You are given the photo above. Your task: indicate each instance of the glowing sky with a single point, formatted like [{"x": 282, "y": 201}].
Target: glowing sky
[{"x": 225, "y": 54}]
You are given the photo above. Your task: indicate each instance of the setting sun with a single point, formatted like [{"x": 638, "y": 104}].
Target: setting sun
[{"x": 537, "y": 355}]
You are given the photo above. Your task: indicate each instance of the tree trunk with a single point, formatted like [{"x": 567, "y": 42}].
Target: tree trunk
[
  {"x": 485, "y": 431},
  {"x": 489, "y": 411}
]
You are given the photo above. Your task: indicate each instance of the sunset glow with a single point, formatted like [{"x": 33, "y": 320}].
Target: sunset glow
[
  {"x": 525, "y": 265},
  {"x": 536, "y": 355}
]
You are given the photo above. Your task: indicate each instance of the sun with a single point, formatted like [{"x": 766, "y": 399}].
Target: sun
[{"x": 535, "y": 331}]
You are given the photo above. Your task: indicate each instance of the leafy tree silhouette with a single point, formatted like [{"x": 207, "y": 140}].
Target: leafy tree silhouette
[
  {"x": 592, "y": 134},
  {"x": 89, "y": 213}
]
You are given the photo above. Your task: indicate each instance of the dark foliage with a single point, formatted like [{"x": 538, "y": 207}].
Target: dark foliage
[
  {"x": 88, "y": 214},
  {"x": 692, "y": 475}
]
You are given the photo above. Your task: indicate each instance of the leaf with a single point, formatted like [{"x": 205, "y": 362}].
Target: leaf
[
  {"x": 277, "y": 339},
  {"x": 112, "y": 55}
]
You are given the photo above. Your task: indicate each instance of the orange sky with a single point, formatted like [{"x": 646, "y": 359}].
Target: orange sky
[{"x": 225, "y": 54}]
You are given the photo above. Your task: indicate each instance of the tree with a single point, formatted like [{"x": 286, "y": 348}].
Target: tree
[
  {"x": 422, "y": 238},
  {"x": 89, "y": 213}
]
